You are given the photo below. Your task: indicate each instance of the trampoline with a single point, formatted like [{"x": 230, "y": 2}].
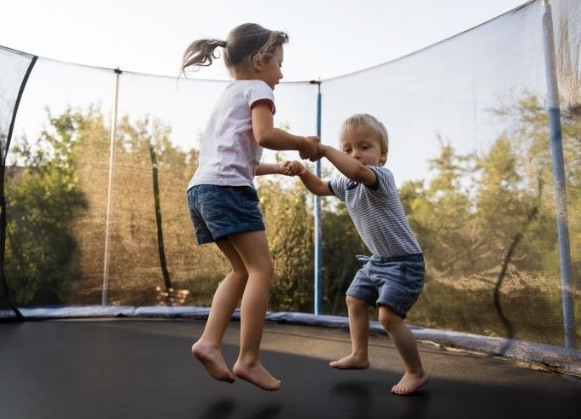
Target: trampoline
[
  {"x": 122, "y": 361},
  {"x": 142, "y": 368}
]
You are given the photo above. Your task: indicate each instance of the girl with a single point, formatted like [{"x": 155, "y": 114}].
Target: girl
[{"x": 222, "y": 199}]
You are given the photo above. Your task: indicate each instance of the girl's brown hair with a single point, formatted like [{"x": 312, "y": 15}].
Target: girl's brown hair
[{"x": 242, "y": 43}]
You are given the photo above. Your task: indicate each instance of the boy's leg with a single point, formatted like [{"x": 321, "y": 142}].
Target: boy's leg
[
  {"x": 253, "y": 250},
  {"x": 405, "y": 342},
  {"x": 208, "y": 348},
  {"x": 359, "y": 330}
]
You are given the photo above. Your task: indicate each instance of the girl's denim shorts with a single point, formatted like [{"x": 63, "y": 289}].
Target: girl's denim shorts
[
  {"x": 395, "y": 283},
  {"x": 218, "y": 211}
]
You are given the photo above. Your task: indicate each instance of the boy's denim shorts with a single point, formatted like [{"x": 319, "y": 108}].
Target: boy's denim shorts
[
  {"x": 218, "y": 211},
  {"x": 392, "y": 282}
]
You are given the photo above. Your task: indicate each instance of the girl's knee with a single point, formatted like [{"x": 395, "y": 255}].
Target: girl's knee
[{"x": 238, "y": 275}]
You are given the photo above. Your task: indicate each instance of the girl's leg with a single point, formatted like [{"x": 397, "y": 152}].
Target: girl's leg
[
  {"x": 253, "y": 250},
  {"x": 208, "y": 348},
  {"x": 405, "y": 342},
  {"x": 359, "y": 330}
]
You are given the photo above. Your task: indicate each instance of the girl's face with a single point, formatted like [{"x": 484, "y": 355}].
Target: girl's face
[
  {"x": 270, "y": 70},
  {"x": 362, "y": 144}
]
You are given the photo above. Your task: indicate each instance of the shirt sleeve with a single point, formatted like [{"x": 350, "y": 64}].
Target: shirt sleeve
[
  {"x": 385, "y": 180},
  {"x": 260, "y": 91},
  {"x": 337, "y": 184}
]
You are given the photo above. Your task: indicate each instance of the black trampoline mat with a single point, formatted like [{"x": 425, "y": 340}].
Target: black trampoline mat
[{"x": 142, "y": 368}]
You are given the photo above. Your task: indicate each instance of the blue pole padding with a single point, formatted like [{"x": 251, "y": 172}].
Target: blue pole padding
[
  {"x": 318, "y": 221},
  {"x": 559, "y": 178}
]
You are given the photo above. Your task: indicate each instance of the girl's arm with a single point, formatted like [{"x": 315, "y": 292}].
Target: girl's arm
[
  {"x": 268, "y": 136},
  {"x": 271, "y": 169}
]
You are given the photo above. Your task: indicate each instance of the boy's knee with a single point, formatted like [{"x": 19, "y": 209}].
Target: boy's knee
[
  {"x": 387, "y": 317},
  {"x": 355, "y": 303}
]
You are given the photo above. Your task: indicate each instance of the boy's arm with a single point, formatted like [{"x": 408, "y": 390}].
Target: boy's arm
[
  {"x": 311, "y": 181},
  {"x": 349, "y": 166}
]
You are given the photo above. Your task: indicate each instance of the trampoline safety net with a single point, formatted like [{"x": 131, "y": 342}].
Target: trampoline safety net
[{"x": 95, "y": 163}]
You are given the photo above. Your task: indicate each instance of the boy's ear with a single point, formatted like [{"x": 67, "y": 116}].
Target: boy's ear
[{"x": 383, "y": 159}]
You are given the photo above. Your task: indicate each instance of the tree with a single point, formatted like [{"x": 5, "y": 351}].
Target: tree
[
  {"x": 441, "y": 214},
  {"x": 289, "y": 228},
  {"x": 530, "y": 141},
  {"x": 42, "y": 260},
  {"x": 341, "y": 245}
]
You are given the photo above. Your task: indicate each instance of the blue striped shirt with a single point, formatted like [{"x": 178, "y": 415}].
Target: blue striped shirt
[{"x": 377, "y": 214}]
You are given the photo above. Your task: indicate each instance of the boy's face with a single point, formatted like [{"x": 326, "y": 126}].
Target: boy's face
[{"x": 362, "y": 144}]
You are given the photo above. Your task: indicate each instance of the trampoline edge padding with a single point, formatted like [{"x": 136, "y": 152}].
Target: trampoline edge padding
[{"x": 556, "y": 358}]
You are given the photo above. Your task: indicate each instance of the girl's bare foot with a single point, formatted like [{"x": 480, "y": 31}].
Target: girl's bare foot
[
  {"x": 409, "y": 383},
  {"x": 257, "y": 375},
  {"x": 350, "y": 362},
  {"x": 212, "y": 359}
]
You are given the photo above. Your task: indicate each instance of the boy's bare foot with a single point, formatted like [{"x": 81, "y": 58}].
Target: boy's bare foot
[
  {"x": 350, "y": 362},
  {"x": 256, "y": 375},
  {"x": 409, "y": 383},
  {"x": 212, "y": 359}
]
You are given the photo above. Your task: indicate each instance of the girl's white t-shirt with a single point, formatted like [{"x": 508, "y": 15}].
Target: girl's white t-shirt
[{"x": 229, "y": 154}]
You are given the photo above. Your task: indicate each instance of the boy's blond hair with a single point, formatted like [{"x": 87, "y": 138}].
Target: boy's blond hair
[{"x": 366, "y": 120}]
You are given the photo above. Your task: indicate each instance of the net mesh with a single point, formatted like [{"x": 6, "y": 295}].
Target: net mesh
[
  {"x": 15, "y": 66},
  {"x": 469, "y": 146}
]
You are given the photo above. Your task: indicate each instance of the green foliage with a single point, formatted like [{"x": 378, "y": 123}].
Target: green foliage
[
  {"x": 290, "y": 235},
  {"x": 487, "y": 225},
  {"x": 44, "y": 199},
  {"x": 134, "y": 267},
  {"x": 341, "y": 244},
  {"x": 442, "y": 213}
]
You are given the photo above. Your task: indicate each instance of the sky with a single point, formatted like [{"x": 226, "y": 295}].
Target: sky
[{"x": 328, "y": 38}]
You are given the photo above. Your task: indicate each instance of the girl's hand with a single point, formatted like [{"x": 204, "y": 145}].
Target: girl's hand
[{"x": 310, "y": 149}]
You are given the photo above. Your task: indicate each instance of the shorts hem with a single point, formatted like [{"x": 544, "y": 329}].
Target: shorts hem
[
  {"x": 400, "y": 313},
  {"x": 369, "y": 299},
  {"x": 223, "y": 233}
]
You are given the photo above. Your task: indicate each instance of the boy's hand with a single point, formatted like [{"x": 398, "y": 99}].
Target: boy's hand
[
  {"x": 294, "y": 168},
  {"x": 287, "y": 168}
]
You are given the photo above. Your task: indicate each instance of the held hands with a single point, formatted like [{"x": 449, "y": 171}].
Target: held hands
[
  {"x": 294, "y": 168},
  {"x": 310, "y": 149}
]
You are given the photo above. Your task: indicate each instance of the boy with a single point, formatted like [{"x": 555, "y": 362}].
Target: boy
[{"x": 393, "y": 277}]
